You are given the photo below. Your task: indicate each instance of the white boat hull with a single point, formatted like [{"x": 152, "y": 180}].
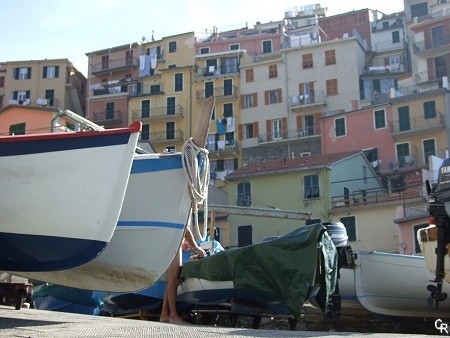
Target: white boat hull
[
  {"x": 149, "y": 232},
  {"x": 395, "y": 285},
  {"x": 62, "y": 195}
]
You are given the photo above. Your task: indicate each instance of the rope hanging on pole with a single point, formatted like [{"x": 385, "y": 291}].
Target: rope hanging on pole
[{"x": 195, "y": 162}]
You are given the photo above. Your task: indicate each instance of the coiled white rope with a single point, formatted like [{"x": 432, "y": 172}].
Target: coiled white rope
[{"x": 196, "y": 168}]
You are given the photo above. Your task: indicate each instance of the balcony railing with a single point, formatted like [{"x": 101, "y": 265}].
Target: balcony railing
[
  {"x": 157, "y": 113},
  {"x": 291, "y": 134},
  {"x": 437, "y": 43},
  {"x": 217, "y": 92},
  {"x": 223, "y": 147},
  {"x": 147, "y": 90},
  {"x": 304, "y": 100},
  {"x": 418, "y": 123},
  {"x": 365, "y": 198},
  {"x": 107, "y": 117},
  {"x": 114, "y": 65},
  {"x": 167, "y": 136},
  {"x": 430, "y": 76},
  {"x": 213, "y": 70}
]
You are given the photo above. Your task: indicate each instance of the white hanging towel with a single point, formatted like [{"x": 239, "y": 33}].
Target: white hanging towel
[{"x": 141, "y": 62}]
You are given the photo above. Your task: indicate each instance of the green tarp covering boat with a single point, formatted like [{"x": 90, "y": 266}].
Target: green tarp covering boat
[{"x": 287, "y": 271}]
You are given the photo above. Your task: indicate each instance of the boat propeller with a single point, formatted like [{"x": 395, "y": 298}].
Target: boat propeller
[{"x": 436, "y": 295}]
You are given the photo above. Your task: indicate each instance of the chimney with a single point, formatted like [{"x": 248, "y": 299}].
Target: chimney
[{"x": 354, "y": 104}]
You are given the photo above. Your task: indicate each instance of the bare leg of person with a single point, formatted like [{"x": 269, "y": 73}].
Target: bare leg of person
[{"x": 169, "y": 310}]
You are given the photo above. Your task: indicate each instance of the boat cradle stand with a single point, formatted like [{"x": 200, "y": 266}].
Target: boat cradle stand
[{"x": 14, "y": 293}]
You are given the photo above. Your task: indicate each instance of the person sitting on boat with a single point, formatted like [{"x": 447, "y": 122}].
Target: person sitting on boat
[{"x": 169, "y": 312}]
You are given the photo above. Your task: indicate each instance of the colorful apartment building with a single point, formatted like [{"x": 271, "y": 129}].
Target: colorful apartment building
[{"x": 45, "y": 83}]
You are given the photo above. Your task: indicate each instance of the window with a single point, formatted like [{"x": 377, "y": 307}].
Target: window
[
  {"x": 105, "y": 62},
  {"x": 228, "y": 110},
  {"x": 248, "y": 130},
  {"x": 332, "y": 87},
  {"x": 419, "y": 10},
  {"x": 244, "y": 195},
  {"x": 179, "y": 82},
  {"x": 276, "y": 129},
  {"x": 109, "y": 111},
  {"x": 50, "y": 96},
  {"x": 429, "y": 109},
  {"x": 395, "y": 37},
  {"x": 145, "y": 133},
  {"x": 272, "y": 96},
  {"x": 22, "y": 73},
  {"x": 229, "y": 65},
  {"x": 339, "y": 127},
  {"x": 273, "y": 71},
  {"x": 170, "y": 130},
  {"x": 170, "y": 105},
  {"x": 155, "y": 89},
  {"x": 429, "y": 148},
  {"x": 249, "y": 101},
  {"x": 2, "y": 81},
  {"x": 172, "y": 46},
  {"x": 229, "y": 138},
  {"x": 145, "y": 108},
  {"x": 227, "y": 87},
  {"x": 311, "y": 187},
  {"x": 249, "y": 75},
  {"x": 204, "y": 50},
  {"x": 350, "y": 225},
  {"x": 330, "y": 57},
  {"x": 209, "y": 89},
  {"x": 17, "y": 129},
  {"x": 21, "y": 95},
  {"x": 379, "y": 117},
  {"x": 307, "y": 61},
  {"x": 403, "y": 118},
  {"x": 245, "y": 235},
  {"x": 267, "y": 46},
  {"x": 402, "y": 153},
  {"x": 129, "y": 57},
  {"x": 50, "y": 72},
  {"x": 234, "y": 46}
]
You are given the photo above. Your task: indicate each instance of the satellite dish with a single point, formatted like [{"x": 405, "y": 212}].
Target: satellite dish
[{"x": 143, "y": 38}]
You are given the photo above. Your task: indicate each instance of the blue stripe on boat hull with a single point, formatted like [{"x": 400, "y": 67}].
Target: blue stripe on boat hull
[
  {"x": 20, "y": 252},
  {"x": 62, "y": 144},
  {"x": 156, "y": 164}
]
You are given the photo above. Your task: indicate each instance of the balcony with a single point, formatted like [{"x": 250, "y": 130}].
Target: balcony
[
  {"x": 382, "y": 70},
  {"x": 217, "y": 71},
  {"x": 366, "y": 198},
  {"x": 158, "y": 114},
  {"x": 292, "y": 134},
  {"x": 223, "y": 148},
  {"x": 433, "y": 47},
  {"x": 304, "y": 101},
  {"x": 428, "y": 77},
  {"x": 169, "y": 136},
  {"x": 221, "y": 92},
  {"x": 416, "y": 125},
  {"x": 107, "y": 118},
  {"x": 139, "y": 90},
  {"x": 114, "y": 65}
]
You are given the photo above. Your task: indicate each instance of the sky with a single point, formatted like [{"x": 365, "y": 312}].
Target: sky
[{"x": 68, "y": 29}]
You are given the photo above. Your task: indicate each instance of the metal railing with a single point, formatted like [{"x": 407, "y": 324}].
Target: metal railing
[
  {"x": 157, "y": 112},
  {"x": 165, "y": 136},
  {"x": 105, "y": 117},
  {"x": 307, "y": 99},
  {"x": 291, "y": 134},
  {"x": 114, "y": 64},
  {"x": 417, "y": 123},
  {"x": 217, "y": 92},
  {"x": 421, "y": 46}
]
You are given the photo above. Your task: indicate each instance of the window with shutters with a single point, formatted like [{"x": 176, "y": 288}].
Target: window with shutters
[
  {"x": 50, "y": 72},
  {"x": 272, "y": 96},
  {"x": 307, "y": 61},
  {"x": 249, "y": 77},
  {"x": 273, "y": 71},
  {"x": 330, "y": 57},
  {"x": 22, "y": 73},
  {"x": 332, "y": 87}
]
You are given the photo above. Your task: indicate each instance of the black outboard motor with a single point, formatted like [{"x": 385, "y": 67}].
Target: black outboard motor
[
  {"x": 338, "y": 234},
  {"x": 439, "y": 208}
]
